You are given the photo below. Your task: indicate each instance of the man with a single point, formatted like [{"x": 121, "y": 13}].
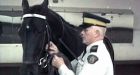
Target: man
[{"x": 95, "y": 60}]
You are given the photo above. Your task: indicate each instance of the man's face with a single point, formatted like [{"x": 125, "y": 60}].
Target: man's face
[{"x": 87, "y": 35}]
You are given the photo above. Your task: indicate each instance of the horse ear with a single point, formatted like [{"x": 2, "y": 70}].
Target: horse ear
[
  {"x": 45, "y": 3},
  {"x": 25, "y": 6}
]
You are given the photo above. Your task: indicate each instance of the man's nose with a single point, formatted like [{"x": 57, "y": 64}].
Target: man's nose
[{"x": 81, "y": 34}]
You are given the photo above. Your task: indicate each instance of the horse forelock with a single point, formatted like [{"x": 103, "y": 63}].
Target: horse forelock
[{"x": 38, "y": 9}]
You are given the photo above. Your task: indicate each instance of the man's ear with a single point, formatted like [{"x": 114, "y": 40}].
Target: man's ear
[{"x": 97, "y": 33}]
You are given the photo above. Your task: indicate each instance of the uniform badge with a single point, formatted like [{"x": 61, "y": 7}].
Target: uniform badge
[{"x": 92, "y": 59}]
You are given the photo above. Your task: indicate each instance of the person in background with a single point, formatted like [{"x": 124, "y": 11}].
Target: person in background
[{"x": 95, "y": 60}]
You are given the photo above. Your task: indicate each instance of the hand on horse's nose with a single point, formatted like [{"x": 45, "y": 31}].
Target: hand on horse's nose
[
  {"x": 82, "y": 33},
  {"x": 52, "y": 48}
]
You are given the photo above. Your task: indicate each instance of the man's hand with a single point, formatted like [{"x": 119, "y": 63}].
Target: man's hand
[
  {"x": 57, "y": 61},
  {"x": 53, "y": 48}
]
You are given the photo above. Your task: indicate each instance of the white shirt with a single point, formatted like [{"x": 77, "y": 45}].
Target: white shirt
[{"x": 103, "y": 66}]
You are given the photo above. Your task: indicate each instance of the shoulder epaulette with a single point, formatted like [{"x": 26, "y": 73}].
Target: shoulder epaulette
[{"x": 94, "y": 48}]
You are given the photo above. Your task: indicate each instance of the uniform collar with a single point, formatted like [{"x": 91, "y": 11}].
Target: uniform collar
[{"x": 92, "y": 44}]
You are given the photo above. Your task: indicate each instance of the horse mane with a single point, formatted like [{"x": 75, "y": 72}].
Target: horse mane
[
  {"x": 63, "y": 20},
  {"x": 38, "y": 9}
]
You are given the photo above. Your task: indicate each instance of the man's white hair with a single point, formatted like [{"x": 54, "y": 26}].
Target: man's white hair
[{"x": 101, "y": 30}]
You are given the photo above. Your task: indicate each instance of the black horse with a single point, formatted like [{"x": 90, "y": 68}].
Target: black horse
[{"x": 40, "y": 26}]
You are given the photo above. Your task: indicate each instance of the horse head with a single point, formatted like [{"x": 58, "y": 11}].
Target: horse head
[
  {"x": 40, "y": 26},
  {"x": 35, "y": 21}
]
